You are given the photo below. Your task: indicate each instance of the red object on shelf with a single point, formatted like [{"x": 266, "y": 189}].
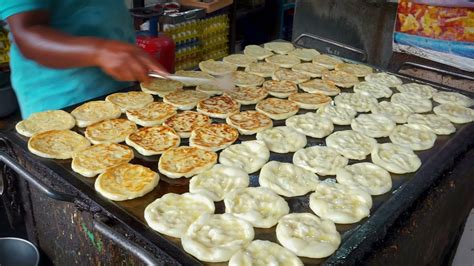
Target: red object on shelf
[{"x": 162, "y": 48}]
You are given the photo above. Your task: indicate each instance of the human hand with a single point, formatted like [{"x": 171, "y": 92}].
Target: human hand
[{"x": 126, "y": 62}]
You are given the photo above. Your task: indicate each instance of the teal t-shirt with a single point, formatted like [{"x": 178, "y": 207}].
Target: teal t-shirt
[{"x": 40, "y": 88}]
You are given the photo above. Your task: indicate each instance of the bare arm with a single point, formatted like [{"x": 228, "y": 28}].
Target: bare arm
[{"x": 52, "y": 48}]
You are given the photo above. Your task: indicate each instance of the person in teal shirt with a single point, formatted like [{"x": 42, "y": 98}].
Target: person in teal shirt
[{"x": 68, "y": 51}]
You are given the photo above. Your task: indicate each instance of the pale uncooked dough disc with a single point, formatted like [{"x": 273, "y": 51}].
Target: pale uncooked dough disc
[
  {"x": 257, "y": 52},
  {"x": 217, "y": 68},
  {"x": 326, "y": 61},
  {"x": 257, "y": 205},
  {"x": 249, "y": 122},
  {"x": 290, "y": 75},
  {"x": 371, "y": 177},
  {"x": 285, "y": 61},
  {"x": 263, "y": 252},
  {"x": 279, "y": 47},
  {"x": 153, "y": 114},
  {"x": 282, "y": 139},
  {"x": 218, "y": 181},
  {"x": 240, "y": 60},
  {"x": 185, "y": 99},
  {"x": 311, "y": 69},
  {"x": 193, "y": 74},
  {"x": 413, "y": 137},
  {"x": 416, "y": 103},
  {"x": 384, "y": 79},
  {"x": 395, "y": 158},
  {"x": 320, "y": 86},
  {"x": 218, "y": 106},
  {"x": 304, "y": 53},
  {"x": 397, "y": 112},
  {"x": 340, "y": 203},
  {"x": 110, "y": 131},
  {"x": 311, "y": 101},
  {"x": 376, "y": 90},
  {"x": 126, "y": 181},
  {"x": 351, "y": 144},
  {"x": 423, "y": 91},
  {"x": 435, "y": 123},
  {"x": 262, "y": 69},
  {"x": 130, "y": 100},
  {"x": 311, "y": 124},
  {"x": 452, "y": 97},
  {"x": 216, "y": 237},
  {"x": 287, "y": 179},
  {"x": 248, "y": 95},
  {"x": 161, "y": 87},
  {"x": 45, "y": 121},
  {"x": 213, "y": 137},
  {"x": 455, "y": 113},
  {"x": 340, "y": 78},
  {"x": 57, "y": 144},
  {"x": 357, "y": 101},
  {"x": 95, "y": 159},
  {"x": 245, "y": 79},
  {"x": 185, "y": 161},
  {"x": 339, "y": 115},
  {"x": 373, "y": 125},
  {"x": 248, "y": 155},
  {"x": 307, "y": 235},
  {"x": 153, "y": 140},
  {"x": 185, "y": 122},
  {"x": 277, "y": 109},
  {"x": 172, "y": 214},
  {"x": 280, "y": 89},
  {"x": 358, "y": 70},
  {"x": 321, "y": 160},
  {"x": 95, "y": 111}
]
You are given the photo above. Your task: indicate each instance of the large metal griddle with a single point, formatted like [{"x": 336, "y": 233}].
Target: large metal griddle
[{"x": 357, "y": 238}]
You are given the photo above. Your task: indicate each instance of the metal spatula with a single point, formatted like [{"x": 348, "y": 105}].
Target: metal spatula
[{"x": 224, "y": 82}]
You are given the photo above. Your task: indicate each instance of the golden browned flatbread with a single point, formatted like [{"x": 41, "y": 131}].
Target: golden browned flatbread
[
  {"x": 247, "y": 95},
  {"x": 153, "y": 114},
  {"x": 262, "y": 69},
  {"x": 325, "y": 87},
  {"x": 185, "y": 122},
  {"x": 95, "y": 111},
  {"x": 217, "y": 68},
  {"x": 244, "y": 79},
  {"x": 280, "y": 89},
  {"x": 57, "y": 144},
  {"x": 153, "y": 140},
  {"x": 45, "y": 121},
  {"x": 126, "y": 181},
  {"x": 358, "y": 70},
  {"x": 110, "y": 131},
  {"x": 249, "y": 122},
  {"x": 186, "y": 161},
  {"x": 218, "y": 106},
  {"x": 277, "y": 109},
  {"x": 290, "y": 75},
  {"x": 185, "y": 100},
  {"x": 96, "y": 159},
  {"x": 161, "y": 87},
  {"x": 341, "y": 78},
  {"x": 130, "y": 100},
  {"x": 310, "y": 100},
  {"x": 213, "y": 137}
]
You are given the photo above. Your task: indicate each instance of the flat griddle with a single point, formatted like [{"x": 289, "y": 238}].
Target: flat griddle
[{"x": 357, "y": 239}]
